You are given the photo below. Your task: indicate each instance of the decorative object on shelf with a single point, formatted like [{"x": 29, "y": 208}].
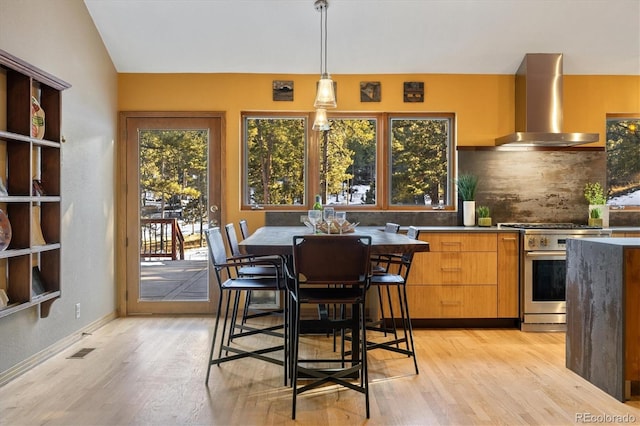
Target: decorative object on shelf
[
  {"x": 36, "y": 229},
  {"x": 370, "y": 91},
  {"x": 37, "y": 188},
  {"x": 37, "y": 119},
  {"x": 283, "y": 90},
  {"x": 594, "y": 194},
  {"x": 484, "y": 216},
  {"x": 37, "y": 284},
  {"x": 325, "y": 91},
  {"x": 4, "y": 299},
  {"x": 467, "y": 185},
  {"x": 5, "y": 231},
  {"x": 3, "y": 188},
  {"x": 413, "y": 91}
]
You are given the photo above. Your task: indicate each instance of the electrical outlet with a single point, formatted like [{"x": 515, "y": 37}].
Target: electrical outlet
[{"x": 77, "y": 310}]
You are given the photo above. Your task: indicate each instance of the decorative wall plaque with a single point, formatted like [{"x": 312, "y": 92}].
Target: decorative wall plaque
[
  {"x": 283, "y": 90},
  {"x": 414, "y": 91},
  {"x": 370, "y": 91}
]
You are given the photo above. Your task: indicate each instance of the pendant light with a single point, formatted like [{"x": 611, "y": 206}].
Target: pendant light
[
  {"x": 321, "y": 122},
  {"x": 325, "y": 96}
]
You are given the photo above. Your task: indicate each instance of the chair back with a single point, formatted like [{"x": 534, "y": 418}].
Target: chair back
[
  {"x": 232, "y": 239},
  {"x": 244, "y": 229},
  {"x": 336, "y": 259},
  {"x": 407, "y": 258},
  {"x": 391, "y": 227}
]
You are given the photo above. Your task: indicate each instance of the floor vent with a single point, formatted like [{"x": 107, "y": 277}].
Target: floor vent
[{"x": 81, "y": 353}]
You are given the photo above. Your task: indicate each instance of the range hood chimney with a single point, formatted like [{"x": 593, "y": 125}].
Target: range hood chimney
[{"x": 539, "y": 105}]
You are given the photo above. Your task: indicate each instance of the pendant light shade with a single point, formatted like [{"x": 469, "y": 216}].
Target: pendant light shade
[
  {"x": 321, "y": 122},
  {"x": 325, "y": 95}
]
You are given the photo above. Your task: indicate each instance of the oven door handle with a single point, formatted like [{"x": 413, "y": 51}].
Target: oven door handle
[{"x": 546, "y": 254}]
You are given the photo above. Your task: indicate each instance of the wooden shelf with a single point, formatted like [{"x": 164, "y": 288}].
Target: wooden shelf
[{"x": 23, "y": 159}]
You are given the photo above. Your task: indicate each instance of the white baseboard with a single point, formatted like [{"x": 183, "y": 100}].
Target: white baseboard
[{"x": 62, "y": 344}]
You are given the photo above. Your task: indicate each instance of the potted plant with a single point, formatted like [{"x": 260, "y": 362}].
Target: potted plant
[
  {"x": 594, "y": 217},
  {"x": 594, "y": 194},
  {"x": 484, "y": 216},
  {"x": 467, "y": 185}
]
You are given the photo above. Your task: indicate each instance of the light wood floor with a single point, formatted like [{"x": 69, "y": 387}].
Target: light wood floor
[{"x": 150, "y": 371}]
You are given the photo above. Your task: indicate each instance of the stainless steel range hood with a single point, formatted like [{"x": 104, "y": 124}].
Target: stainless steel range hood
[{"x": 539, "y": 105}]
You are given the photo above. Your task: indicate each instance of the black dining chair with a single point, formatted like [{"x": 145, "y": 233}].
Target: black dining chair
[
  {"x": 396, "y": 275},
  {"x": 233, "y": 286},
  {"x": 380, "y": 265},
  {"x": 250, "y": 266},
  {"x": 330, "y": 270}
]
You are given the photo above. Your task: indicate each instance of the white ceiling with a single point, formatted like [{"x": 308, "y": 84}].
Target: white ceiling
[{"x": 368, "y": 36}]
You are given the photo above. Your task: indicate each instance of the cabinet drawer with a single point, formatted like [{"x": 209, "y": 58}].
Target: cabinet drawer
[
  {"x": 434, "y": 268},
  {"x": 460, "y": 241},
  {"x": 454, "y": 301}
]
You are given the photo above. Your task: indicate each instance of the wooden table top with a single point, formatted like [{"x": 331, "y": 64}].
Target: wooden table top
[{"x": 279, "y": 239}]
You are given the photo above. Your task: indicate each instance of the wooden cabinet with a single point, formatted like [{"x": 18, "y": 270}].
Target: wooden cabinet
[
  {"x": 465, "y": 275},
  {"x": 508, "y": 275},
  {"x": 626, "y": 234},
  {"x": 30, "y": 266}
]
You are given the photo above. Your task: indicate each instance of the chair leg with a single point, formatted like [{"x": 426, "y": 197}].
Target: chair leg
[
  {"x": 294, "y": 358},
  {"x": 393, "y": 322},
  {"x": 224, "y": 326},
  {"x": 409, "y": 327},
  {"x": 213, "y": 340},
  {"x": 363, "y": 353}
]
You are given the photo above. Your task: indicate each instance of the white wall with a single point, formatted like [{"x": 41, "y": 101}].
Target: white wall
[{"x": 60, "y": 38}]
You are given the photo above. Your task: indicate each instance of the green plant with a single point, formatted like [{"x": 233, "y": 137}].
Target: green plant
[
  {"x": 467, "y": 185},
  {"x": 595, "y": 213},
  {"x": 594, "y": 193},
  {"x": 483, "y": 211}
]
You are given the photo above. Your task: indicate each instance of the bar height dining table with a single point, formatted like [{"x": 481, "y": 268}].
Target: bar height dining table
[
  {"x": 270, "y": 240},
  {"x": 278, "y": 240}
]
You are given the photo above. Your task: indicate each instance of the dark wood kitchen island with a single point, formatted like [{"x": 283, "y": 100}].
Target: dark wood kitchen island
[{"x": 603, "y": 312}]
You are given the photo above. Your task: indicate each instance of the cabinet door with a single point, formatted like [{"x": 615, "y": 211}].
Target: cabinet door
[
  {"x": 460, "y": 241},
  {"x": 508, "y": 276},
  {"x": 452, "y": 301},
  {"x": 436, "y": 268}
]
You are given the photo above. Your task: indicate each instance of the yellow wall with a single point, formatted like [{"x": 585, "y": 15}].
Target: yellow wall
[{"x": 483, "y": 104}]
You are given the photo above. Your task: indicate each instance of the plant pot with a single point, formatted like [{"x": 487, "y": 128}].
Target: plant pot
[
  {"x": 484, "y": 221},
  {"x": 604, "y": 213},
  {"x": 469, "y": 213},
  {"x": 595, "y": 221}
]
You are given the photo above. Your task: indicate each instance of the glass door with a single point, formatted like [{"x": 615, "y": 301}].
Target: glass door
[{"x": 173, "y": 195}]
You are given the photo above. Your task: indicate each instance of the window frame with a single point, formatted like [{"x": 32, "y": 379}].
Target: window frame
[
  {"x": 308, "y": 145},
  {"x": 618, "y": 117},
  {"x": 449, "y": 202},
  {"x": 312, "y": 161}
]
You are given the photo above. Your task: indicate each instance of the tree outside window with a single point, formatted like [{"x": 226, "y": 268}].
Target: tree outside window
[
  {"x": 275, "y": 160},
  {"x": 623, "y": 161},
  {"x": 419, "y": 160}
]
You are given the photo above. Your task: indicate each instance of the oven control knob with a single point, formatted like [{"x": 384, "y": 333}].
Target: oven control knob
[
  {"x": 543, "y": 241},
  {"x": 531, "y": 242}
]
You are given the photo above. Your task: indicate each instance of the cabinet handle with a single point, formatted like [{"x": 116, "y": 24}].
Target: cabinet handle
[
  {"x": 450, "y": 303},
  {"x": 508, "y": 238},
  {"x": 450, "y": 269},
  {"x": 451, "y": 243}
]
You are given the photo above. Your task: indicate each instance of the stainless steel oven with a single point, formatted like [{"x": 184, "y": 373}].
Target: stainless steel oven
[{"x": 543, "y": 272}]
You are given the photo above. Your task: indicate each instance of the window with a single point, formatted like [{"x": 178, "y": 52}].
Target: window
[
  {"x": 623, "y": 161},
  {"x": 348, "y": 162},
  {"x": 274, "y": 151},
  {"x": 419, "y": 160},
  {"x": 409, "y": 166}
]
